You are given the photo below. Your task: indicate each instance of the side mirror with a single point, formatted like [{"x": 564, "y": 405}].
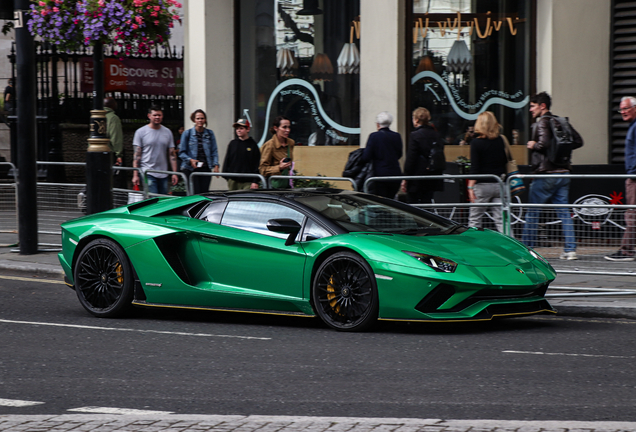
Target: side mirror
[{"x": 285, "y": 226}]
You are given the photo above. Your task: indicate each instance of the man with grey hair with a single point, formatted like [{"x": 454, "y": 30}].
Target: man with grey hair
[
  {"x": 384, "y": 150},
  {"x": 626, "y": 252}
]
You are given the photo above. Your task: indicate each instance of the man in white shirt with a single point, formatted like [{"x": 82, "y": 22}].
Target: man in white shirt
[{"x": 153, "y": 144}]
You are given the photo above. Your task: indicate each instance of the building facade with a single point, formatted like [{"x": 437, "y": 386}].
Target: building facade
[{"x": 332, "y": 65}]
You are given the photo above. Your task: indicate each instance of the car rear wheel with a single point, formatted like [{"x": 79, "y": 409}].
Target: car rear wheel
[
  {"x": 344, "y": 292},
  {"x": 103, "y": 279}
]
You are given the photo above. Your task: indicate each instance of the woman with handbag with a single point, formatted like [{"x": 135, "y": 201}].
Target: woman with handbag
[
  {"x": 277, "y": 154},
  {"x": 487, "y": 156},
  {"x": 198, "y": 152}
]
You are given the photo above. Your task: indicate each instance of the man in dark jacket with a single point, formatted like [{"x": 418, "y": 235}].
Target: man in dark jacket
[
  {"x": 242, "y": 157},
  {"x": 418, "y": 161},
  {"x": 549, "y": 189},
  {"x": 384, "y": 150}
]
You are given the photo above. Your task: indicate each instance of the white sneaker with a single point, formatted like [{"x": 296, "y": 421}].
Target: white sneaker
[{"x": 568, "y": 256}]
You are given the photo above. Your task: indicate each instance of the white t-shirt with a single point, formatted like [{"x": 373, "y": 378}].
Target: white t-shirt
[{"x": 154, "y": 144}]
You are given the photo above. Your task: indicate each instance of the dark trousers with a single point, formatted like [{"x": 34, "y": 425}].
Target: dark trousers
[{"x": 387, "y": 189}]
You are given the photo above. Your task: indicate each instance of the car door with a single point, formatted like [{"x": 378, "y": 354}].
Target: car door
[{"x": 243, "y": 257}]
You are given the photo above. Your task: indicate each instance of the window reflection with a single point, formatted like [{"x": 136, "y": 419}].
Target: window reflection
[
  {"x": 282, "y": 41},
  {"x": 471, "y": 55}
]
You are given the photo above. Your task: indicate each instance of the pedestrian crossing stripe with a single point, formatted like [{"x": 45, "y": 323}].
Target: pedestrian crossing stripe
[
  {"x": 110, "y": 410},
  {"x": 18, "y": 403}
]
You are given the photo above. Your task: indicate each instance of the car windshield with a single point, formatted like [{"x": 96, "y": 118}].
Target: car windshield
[{"x": 357, "y": 213}]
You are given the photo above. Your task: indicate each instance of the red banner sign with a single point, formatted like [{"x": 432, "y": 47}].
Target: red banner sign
[{"x": 137, "y": 76}]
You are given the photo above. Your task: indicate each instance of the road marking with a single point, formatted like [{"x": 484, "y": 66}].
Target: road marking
[
  {"x": 122, "y": 411},
  {"x": 18, "y": 403},
  {"x": 567, "y": 354},
  {"x": 53, "y": 281},
  {"x": 131, "y": 330}
]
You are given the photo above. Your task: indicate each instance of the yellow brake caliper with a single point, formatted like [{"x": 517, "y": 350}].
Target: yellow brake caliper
[{"x": 331, "y": 296}]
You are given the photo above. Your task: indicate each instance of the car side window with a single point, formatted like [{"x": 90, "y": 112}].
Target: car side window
[
  {"x": 253, "y": 216},
  {"x": 213, "y": 212},
  {"x": 314, "y": 231}
]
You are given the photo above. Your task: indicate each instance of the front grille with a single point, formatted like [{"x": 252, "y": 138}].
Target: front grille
[{"x": 438, "y": 296}]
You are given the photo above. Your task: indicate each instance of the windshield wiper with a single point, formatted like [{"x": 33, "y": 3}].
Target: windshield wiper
[
  {"x": 453, "y": 229},
  {"x": 416, "y": 231}
]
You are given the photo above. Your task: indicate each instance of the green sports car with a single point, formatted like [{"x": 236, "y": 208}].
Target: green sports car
[{"x": 348, "y": 257}]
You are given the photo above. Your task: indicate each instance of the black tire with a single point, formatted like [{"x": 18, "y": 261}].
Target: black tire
[
  {"x": 344, "y": 293},
  {"x": 104, "y": 279}
]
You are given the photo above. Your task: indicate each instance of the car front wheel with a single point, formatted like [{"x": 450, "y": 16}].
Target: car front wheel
[
  {"x": 103, "y": 279},
  {"x": 344, "y": 292}
]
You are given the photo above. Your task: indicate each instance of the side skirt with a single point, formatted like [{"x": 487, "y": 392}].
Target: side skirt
[{"x": 220, "y": 309}]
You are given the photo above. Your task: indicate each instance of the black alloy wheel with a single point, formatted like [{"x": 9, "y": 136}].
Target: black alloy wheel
[
  {"x": 104, "y": 279},
  {"x": 344, "y": 293}
]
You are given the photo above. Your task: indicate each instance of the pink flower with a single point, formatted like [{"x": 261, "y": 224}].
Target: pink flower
[
  {"x": 42, "y": 3},
  {"x": 135, "y": 26},
  {"x": 156, "y": 22},
  {"x": 157, "y": 8},
  {"x": 56, "y": 9},
  {"x": 139, "y": 19},
  {"x": 153, "y": 14}
]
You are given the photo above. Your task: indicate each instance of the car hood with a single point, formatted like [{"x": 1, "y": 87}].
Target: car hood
[{"x": 472, "y": 247}]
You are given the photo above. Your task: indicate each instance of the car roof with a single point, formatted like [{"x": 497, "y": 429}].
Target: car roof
[{"x": 279, "y": 193}]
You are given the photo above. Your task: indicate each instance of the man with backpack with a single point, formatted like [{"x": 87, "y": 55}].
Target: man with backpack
[
  {"x": 553, "y": 140},
  {"x": 626, "y": 252}
]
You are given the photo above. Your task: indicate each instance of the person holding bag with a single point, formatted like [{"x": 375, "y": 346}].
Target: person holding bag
[
  {"x": 277, "y": 154},
  {"x": 198, "y": 152},
  {"x": 487, "y": 156}
]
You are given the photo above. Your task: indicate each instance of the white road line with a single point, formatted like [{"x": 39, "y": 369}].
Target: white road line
[
  {"x": 18, "y": 403},
  {"x": 31, "y": 279},
  {"x": 131, "y": 330},
  {"x": 567, "y": 354},
  {"x": 122, "y": 411}
]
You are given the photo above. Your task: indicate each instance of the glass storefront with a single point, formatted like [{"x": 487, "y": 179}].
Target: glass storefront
[
  {"x": 470, "y": 56},
  {"x": 300, "y": 59}
]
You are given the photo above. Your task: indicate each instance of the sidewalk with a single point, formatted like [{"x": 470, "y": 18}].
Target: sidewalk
[
  {"x": 45, "y": 264},
  {"x": 229, "y": 423}
]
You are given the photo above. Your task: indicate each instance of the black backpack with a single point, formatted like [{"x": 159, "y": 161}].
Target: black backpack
[
  {"x": 564, "y": 140},
  {"x": 436, "y": 158}
]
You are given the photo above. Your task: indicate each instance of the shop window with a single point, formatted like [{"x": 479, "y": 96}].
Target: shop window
[
  {"x": 470, "y": 56},
  {"x": 300, "y": 59}
]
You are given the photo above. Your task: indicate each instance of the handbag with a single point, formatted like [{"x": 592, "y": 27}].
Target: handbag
[{"x": 516, "y": 184}]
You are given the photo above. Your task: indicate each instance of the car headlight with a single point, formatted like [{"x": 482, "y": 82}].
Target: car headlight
[
  {"x": 537, "y": 256},
  {"x": 436, "y": 263}
]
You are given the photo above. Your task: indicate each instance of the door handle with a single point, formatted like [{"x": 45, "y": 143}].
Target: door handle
[{"x": 209, "y": 239}]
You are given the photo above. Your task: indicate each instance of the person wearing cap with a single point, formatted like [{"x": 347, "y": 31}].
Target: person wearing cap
[
  {"x": 243, "y": 156},
  {"x": 198, "y": 152}
]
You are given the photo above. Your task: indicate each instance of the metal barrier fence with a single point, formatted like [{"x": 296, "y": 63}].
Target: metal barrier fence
[
  {"x": 8, "y": 209},
  {"x": 260, "y": 179},
  {"x": 598, "y": 223},
  {"x": 320, "y": 178}
]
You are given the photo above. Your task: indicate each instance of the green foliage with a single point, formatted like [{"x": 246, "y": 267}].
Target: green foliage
[{"x": 313, "y": 183}]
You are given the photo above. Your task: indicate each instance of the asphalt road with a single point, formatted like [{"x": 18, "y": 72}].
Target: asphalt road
[{"x": 184, "y": 362}]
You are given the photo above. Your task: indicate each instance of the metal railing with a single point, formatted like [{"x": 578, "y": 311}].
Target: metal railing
[
  {"x": 288, "y": 177},
  {"x": 598, "y": 222},
  {"x": 194, "y": 175}
]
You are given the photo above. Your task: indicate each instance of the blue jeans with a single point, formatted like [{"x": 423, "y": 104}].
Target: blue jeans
[
  {"x": 157, "y": 185},
  {"x": 555, "y": 190}
]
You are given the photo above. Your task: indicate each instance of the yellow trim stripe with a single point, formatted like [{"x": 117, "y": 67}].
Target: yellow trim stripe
[{"x": 278, "y": 313}]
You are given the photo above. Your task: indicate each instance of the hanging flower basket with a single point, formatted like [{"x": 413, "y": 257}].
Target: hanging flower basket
[{"x": 129, "y": 26}]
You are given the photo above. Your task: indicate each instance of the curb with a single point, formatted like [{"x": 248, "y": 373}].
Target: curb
[
  {"x": 593, "y": 311},
  {"x": 581, "y": 311},
  {"x": 32, "y": 269}
]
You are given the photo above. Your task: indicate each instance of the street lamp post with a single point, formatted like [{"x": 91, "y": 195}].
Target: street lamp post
[
  {"x": 26, "y": 132},
  {"x": 99, "y": 157}
]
